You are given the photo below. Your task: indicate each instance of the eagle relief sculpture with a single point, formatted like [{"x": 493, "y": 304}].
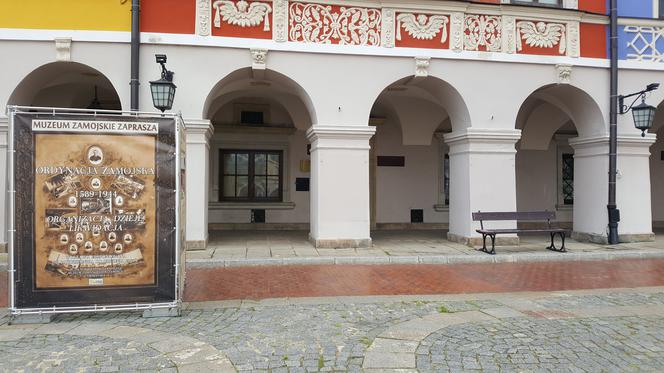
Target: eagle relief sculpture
[
  {"x": 242, "y": 13},
  {"x": 422, "y": 27},
  {"x": 541, "y": 35}
]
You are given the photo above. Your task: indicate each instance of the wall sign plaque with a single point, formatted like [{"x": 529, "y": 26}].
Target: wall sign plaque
[{"x": 95, "y": 209}]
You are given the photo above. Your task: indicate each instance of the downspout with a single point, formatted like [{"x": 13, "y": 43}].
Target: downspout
[
  {"x": 614, "y": 213},
  {"x": 135, "y": 46}
]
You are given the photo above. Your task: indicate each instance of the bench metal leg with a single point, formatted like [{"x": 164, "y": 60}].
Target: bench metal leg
[
  {"x": 493, "y": 244},
  {"x": 553, "y": 246}
]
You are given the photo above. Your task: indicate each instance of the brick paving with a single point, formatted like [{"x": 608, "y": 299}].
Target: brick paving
[{"x": 340, "y": 280}]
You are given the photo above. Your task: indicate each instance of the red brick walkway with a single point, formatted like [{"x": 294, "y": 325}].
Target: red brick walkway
[
  {"x": 340, "y": 280},
  {"x": 3, "y": 289}
]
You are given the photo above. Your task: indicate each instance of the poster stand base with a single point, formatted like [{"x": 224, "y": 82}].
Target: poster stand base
[
  {"x": 31, "y": 318},
  {"x": 163, "y": 312}
]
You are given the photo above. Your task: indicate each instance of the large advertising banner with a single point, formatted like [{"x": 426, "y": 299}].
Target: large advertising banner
[{"x": 95, "y": 209}]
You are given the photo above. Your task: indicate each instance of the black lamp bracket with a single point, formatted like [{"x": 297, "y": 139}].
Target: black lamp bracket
[
  {"x": 165, "y": 73},
  {"x": 624, "y": 109}
]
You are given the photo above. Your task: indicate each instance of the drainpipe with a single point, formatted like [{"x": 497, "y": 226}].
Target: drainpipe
[
  {"x": 614, "y": 213},
  {"x": 135, "y": 46}
]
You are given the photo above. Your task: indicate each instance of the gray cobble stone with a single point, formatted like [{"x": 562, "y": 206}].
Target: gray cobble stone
[
  {"x": 335, "y": 337},
  {"x": 547, "y": 345}
]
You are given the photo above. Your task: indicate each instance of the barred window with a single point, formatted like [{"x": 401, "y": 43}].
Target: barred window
[{"x": 568, "y": 179}]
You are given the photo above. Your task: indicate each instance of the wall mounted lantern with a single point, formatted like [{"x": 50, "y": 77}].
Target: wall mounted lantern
[
  {"x": 163, "y": 90},
  {"x": 643, "y": 113}
]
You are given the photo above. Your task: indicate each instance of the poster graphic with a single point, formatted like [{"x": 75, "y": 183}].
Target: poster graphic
[{"x": 95, "y": 208}]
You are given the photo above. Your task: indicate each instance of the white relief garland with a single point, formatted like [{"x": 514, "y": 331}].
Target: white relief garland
[
  {"x": 482, "y": 30},
  {"x": 242, "y": 13},
  {"x": 541, "y": 35},
  {"x": 315, "y": 23},
  {"x": 423, "y": 27}
]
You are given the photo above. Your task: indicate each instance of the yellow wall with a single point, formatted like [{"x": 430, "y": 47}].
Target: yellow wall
[{"x": 107, "y": 15}]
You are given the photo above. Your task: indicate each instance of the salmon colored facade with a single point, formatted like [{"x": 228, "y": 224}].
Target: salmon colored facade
[{"x": 312, "y": 23}]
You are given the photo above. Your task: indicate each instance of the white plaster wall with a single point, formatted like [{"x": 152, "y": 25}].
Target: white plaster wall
[
  {"x": 657, "y": 179},
  {"x": 276, "y": 113},
  {"x": 538, "y": 181},
  {"x": 415, "y": 186}
]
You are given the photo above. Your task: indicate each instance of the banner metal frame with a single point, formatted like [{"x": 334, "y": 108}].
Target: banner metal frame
[{"x": 12, "y": 110}]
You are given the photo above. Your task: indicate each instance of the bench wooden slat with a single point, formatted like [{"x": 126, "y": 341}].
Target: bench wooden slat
[
  {"x": 512, "y": 215},
  {"x": 518, "y": 216},
  {"x": 506, "y": 231}
]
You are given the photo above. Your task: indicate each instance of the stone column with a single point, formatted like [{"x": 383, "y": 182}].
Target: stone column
[
  {"x": 340, "y": 201},
  {"x": 482, "y": 178},
  {"x": 591, "y": 190},
  {"x": 633, "y": 194},
  {"x": 198, "y": 134}
]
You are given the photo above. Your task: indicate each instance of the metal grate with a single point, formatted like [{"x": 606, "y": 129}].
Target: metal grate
[{"x": 568, "y": 179}]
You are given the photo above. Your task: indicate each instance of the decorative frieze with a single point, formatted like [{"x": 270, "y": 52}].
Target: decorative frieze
[
  {"x": 456, "y": 32},
  {"x": 326, "y": 24},
  {"x": 242, "y": 13},
  {"x": 541, "y": 35},
  {"x": 203, "y": 17},
  {"x": 643, "y": 43},
  {"x": 388, "y": 27},
  {"x": 509, "y": 34},
  {"x": 387, "y": 34},
  {"x": 573, "y": 39},
  {"x": 280, "y": 20},
  {"x": 423, "y": 27},
  {"x": 482, "y": 32}
]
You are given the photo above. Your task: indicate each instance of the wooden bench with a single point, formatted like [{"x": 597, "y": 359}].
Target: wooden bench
[{"x": 518, "y": 216}]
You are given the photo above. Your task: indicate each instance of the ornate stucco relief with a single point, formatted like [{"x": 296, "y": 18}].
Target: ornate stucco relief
[
  {"x": 541, "y": 35},
  {"x": 387, "y": 32},
  {"x": 203, "y": 17},
  {"x": 423, "y": 27},
  {"x": 509, "y": 34},
  {"x": 258, "y": 58},
  {"x": 573, "y": 39},
  {"x": 564, "y": 73},
  {"x": 456, "y": 32},
  {"x": 422, "y": 66},
  {"x": 280, "y": 20},
  {"x": 642, "y": 43},
  {"x": 242, "y": 13},
  {"x": 482, "y": 30},
  {"x": 323, "y": 24}
]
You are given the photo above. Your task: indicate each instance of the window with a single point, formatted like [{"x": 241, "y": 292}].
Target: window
[
  {"x": 251, "y": 175},
  {"x": 568, "y": 179},
  {"x": 553, "y": 3},
  {"x": 660, "y": 9},
  {"x": 251, "y": 117}
]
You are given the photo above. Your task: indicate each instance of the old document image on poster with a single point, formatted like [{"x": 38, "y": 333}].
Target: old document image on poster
[{"x": 95, "y": 202}]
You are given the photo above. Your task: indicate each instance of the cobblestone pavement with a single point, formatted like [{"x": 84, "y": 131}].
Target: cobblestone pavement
[{"x": 617, "y": 330}]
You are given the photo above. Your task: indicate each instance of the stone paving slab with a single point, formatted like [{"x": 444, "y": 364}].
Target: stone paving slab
[{"x": 228, "y": 249}]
